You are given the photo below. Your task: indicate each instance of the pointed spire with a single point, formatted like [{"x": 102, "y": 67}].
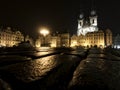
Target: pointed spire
[
  {"x": 81, "y": 16},
  {"x": 93, "y": 8},
  {"x": 93, "y": 13}
]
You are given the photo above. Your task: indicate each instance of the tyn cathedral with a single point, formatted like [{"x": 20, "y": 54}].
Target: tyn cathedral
[{"x": 88, "y": 33}]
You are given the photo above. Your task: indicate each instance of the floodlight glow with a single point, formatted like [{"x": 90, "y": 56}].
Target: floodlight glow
[
  {"x": 44, "y": 32},
  {"x": 85, "y": 30}
]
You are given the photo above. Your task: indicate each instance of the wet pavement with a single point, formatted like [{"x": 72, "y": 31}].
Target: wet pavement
[{"x": 80, "y": 69}]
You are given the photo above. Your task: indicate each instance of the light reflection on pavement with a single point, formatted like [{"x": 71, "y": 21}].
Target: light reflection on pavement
[
  {"x": 68, "y": 71},
  {"x": 33, "y": 69}
]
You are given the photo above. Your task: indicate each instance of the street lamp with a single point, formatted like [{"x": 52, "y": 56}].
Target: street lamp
[{"x": 44, "y": 32}]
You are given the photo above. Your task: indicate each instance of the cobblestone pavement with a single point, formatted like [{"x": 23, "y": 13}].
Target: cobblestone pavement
[{"x": 80, "y": 69}]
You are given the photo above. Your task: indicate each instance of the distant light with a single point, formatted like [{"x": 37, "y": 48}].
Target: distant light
[
  {"x": 117, "y": 46},
  {"x": 44, "y": 31},
  {"x": 74, "y": 43}
]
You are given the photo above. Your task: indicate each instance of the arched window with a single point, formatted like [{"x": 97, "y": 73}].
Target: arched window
[
  {"x": 92, "y": 21},
  {"x": 80, "y": 23}
]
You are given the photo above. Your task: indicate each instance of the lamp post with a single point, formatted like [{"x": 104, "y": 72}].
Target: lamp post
[{"x": 44, "y": 32}]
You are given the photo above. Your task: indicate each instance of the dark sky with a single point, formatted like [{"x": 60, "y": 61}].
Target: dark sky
[{"x": 57, "y": 15}]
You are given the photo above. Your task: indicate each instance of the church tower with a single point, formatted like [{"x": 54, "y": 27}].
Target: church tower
[
  {"x": 88, "y": 24},
  {"x": 80, "y": 23},
  {"x": 93, "y": 18}
]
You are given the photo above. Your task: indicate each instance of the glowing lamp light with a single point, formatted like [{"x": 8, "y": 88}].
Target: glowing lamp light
[
  {"x": 44, "y": 32},
  {"x": 74, "y": 43}
]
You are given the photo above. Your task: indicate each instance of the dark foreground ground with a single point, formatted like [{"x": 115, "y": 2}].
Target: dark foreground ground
[{"x": 60, "y": 69}]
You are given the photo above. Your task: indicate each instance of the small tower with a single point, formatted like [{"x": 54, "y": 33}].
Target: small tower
[
  {"x": 93, "y": 18},
  {"x": 80, "y": 23}
]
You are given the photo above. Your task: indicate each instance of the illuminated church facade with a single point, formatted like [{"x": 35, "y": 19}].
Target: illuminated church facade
[
  {"x": 89, "y": 35},
  {"x": 86, "y": 25}
]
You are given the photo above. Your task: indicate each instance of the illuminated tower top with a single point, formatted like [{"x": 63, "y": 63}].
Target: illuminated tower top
[
  {"x": 86, "y": 25},
  {"x": 93, "y": 18}
]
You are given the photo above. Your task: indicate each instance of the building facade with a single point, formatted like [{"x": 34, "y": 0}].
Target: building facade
[
  {"x": 59, "y": 40},
  {"x": 9, "y": 38},
  {"x": 88, "y": 34},
  {"x": 116, "y": 43},
  {"x": 98, "y": 38}
]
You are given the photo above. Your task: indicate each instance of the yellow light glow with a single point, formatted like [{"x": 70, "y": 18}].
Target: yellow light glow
[
  {"x": 53, "y": 45},
  {"x": 44, "y": 31},
  {"x": 74, "y": 43},
  {"x": 85, "y": 44}
]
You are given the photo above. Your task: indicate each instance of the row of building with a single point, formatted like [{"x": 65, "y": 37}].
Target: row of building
[
  {"x": 98, "y": 38},
  {"x": 88, "y": 35},
  {"x": 10, "y": 38}
]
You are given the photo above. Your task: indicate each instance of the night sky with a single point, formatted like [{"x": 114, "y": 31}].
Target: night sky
[{"x": 29, "y": 15}]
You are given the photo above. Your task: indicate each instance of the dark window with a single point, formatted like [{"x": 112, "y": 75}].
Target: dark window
[{"x": 93, "y": 21}]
